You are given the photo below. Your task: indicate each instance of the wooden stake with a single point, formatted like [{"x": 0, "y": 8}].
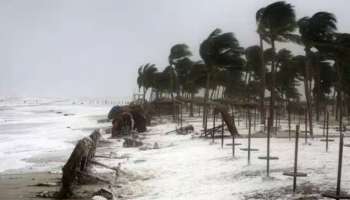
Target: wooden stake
[
  {"x": 306, "y": 117},
  {"x": 213, "y": 132},
  {"x": 327, "y": 131},
  {"x": 249, "y": 136},
  {"x": 222, "y": 132},
  {"x": 296, "y": 159}
]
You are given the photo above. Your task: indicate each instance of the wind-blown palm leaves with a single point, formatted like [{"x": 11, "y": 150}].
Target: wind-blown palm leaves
[
  {"x": 178, "y": 52},
  {"x": 219, "y": 50},
  {"x": 254, "y": 61},
  {"x": 145, "y": 77},
  {"x": 277, "y": 22}
]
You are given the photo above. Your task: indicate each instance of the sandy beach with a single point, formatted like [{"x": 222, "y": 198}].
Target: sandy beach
[{"x": 172, "y": 166}]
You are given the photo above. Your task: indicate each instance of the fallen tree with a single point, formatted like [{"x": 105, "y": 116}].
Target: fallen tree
[{"x": 78, "y": 162}]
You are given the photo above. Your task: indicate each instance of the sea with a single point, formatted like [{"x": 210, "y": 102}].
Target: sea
[{"x": 38, "y": 134}]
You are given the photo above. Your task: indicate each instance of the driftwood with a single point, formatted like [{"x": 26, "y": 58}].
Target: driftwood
[
  {"x": 106, "y": 193},
  {"x": 131, "y": 142},
  {"x": 78, "y": 162},
  {"x": 185, "y": 129},
  {"x": 210, "y": 130}
]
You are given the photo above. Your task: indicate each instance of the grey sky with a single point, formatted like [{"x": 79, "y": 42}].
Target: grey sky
[{"x": 93, "y": 48}]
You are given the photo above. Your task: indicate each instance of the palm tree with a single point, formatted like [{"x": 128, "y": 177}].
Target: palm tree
[
  {"x": 338, "y": 49},
  {"x": 145, "y": 77},
  {"x": 316, "y": 29},
  {"x": 177, "y": 53},
  {"x": 219, "y": 50},
  {"x": 277, "y": 22},
  {"x": 287, "y": 82},
  {"x": 262, "y": 37}
]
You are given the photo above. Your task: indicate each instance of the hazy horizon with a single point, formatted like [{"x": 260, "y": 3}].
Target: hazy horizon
[{"x": 93, "y": 48}]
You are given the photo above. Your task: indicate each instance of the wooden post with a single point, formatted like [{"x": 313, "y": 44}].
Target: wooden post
[
  {"x": 324, "y": 123},
  {"x": 340, "y": 160},
  {"x": 289, "y": 125},
  {"x": 246, "y": 118},
  {"x": 296, "y": 159},
  {"x": 238, "y": 116},
  {"x": 306, "y": 117},
  {"x": 249, "y": 149},
  {"x": 233, "y": 145},
  {"x": 327, "y": 131},
  {"x": 249, "y": 136},
  {"x": 255, "y": 113},
  {"x": 295, "y": 172},
  {"x": 181, "y": 116},
  {"x": 213, "y": 131},
  {"x": 268, "y": 149},
  {"x": 222, "y": 132},
  {"x": 276, "y": 120}
]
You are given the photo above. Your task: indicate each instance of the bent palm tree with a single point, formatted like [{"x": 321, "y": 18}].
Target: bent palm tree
[
  {"x": 177, "y": 53},
  {"x": 219, "y": 50},
  {"x": 277, "y": 22},
  {"x": 316, "y": 29}
]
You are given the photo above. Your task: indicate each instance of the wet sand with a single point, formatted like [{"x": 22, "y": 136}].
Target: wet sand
[{"x": 24, "y": 186}]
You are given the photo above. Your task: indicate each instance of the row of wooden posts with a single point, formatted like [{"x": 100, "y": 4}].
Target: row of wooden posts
[{"x": 295, "y": 174}]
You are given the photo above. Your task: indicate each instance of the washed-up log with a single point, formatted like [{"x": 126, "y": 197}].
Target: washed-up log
[
  {"x": 106, "y": 193},
  {"x": 132, "y": 142},
  {"x": 185, "y": 129}
]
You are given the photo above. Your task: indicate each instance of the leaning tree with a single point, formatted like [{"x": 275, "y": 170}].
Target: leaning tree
[
  {"x": 314, "y": 30},
  {"x": 277, "y": 22},
  {"x": 219, "y": 50}
]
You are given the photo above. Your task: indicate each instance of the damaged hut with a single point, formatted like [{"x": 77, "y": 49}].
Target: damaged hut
[{"x": 126, "y": 119}]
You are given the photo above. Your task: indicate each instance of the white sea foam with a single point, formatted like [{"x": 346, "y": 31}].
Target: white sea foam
[{"x": 32, "y": 130}]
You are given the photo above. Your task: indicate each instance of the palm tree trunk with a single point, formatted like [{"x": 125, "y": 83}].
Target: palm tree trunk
[
  {"x": 318, "y": 92},
  {"x": 191, "y": 105},
  {"x": 144, "y": 95},
  {"x": 174, "y": 106},
  {"x": 206, "y": 96},
  {"x": 271, "y": 108},
  {"x": 262, "y": 84},
  {"x": 307, "y": 89},
  {"x": 340, "y": 96}
]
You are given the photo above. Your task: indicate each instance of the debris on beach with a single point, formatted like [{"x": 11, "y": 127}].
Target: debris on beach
[{"x": 131, "y": 142}]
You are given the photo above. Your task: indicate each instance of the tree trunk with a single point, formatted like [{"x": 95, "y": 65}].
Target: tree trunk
[
  {"x": 174, "y": 105},
  {"x": 307, "y": 89},
  {"x": 206, "y": 96},
  {"x": 272, "y": 90},
  {"x": 340, "y": 96},
  {"x": 318, "y": 91},
  {"x": 144, "y": 95},
  {"x": 271, "y": 108},
  {"x": 262, "y": 84},
  {"x": 191, "y": 105}
]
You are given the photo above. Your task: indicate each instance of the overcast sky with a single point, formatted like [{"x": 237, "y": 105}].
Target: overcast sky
[{"x": 79, "y": 48}]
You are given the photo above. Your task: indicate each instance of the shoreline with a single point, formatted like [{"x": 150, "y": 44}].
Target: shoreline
[{"x": 182, "y": 160}]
